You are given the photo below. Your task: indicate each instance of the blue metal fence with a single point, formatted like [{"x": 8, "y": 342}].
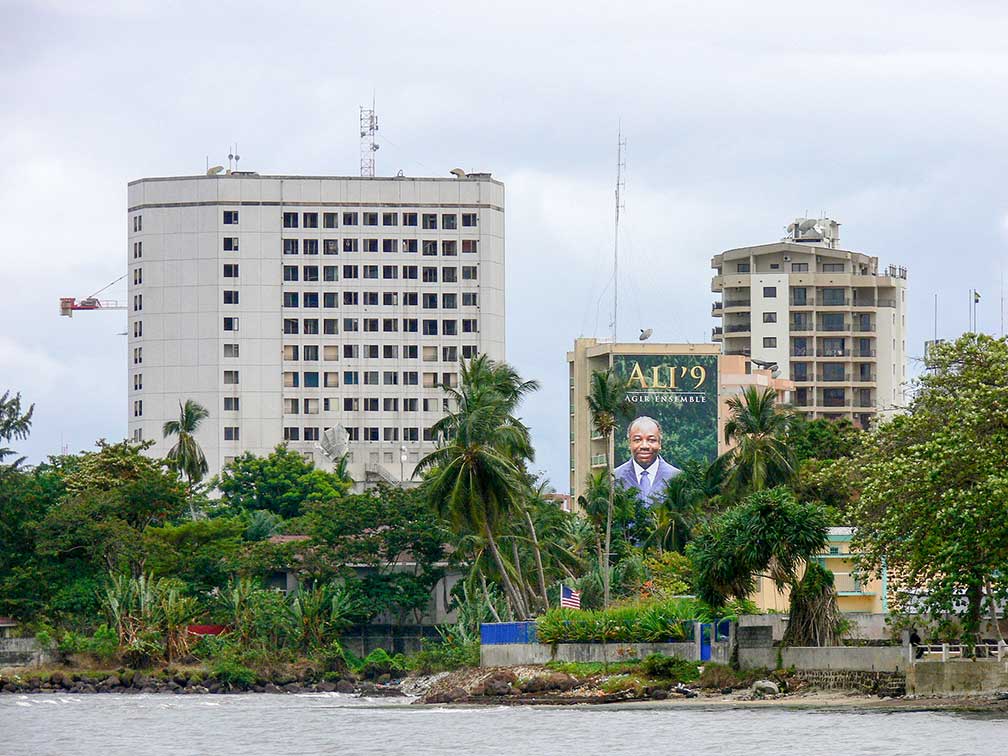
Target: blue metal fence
[{"x": 499, "y": 633}]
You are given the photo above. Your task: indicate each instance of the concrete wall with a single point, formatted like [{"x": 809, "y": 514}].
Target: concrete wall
[
  {"x": 849, "y": 658},
  {"x": 21, "y": 652},
  {"x": 514, "y": 654},
  {"x": 863, "y": 625},
  {"x": 957, "y": 677}
]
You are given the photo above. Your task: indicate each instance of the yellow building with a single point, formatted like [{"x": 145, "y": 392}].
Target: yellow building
[{"x": 853, "y": 594}]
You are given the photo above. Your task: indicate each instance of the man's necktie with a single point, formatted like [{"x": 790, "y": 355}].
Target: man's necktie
[{"x": 645, "y": 484}]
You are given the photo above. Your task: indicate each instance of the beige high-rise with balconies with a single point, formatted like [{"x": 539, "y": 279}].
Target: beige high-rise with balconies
[{"x": 829, "y": 318}]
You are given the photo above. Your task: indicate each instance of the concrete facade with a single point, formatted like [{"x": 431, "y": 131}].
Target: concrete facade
[
  {"x": 287, "y": 305},
  {"x": 849, "y": 658},
  {"x": 517, "y": 654},
  {"x": 957, "y": 677},
  {"x": 830, "y": 318}
]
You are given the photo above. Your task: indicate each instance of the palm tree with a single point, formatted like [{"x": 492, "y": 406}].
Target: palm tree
[
  {"x": 477, "y": 472},
  {"x": 760, "y": 457},
  {"x": 606, "y": 401},
  {"x": 186, "y": 456}
]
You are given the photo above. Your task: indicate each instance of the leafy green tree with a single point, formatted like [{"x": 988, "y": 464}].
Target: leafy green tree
[
  {"x": 934, "y": 486},
  {"x": 686, "y": 503},
  {"x": 112, "y": 495},
  {"x": 476, "y": 475},
  {"x": 821, "y": 438},
  {"x": 14, "y": 424},
  {"x": 283, "y": 482},
  {"x": 768, "y": 533},
  {"x": 758, "y": 428},
  {"x": 606, "y": 402},
  {"x": 197, "y": 552},
  {"x": 186, "y": 455}
]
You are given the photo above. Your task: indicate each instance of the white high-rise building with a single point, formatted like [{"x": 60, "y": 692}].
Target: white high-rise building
[
  {"x": 830, "y": 319},
  {"x": 289, "y": 305}
]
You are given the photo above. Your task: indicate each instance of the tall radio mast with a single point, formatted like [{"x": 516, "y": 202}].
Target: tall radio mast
[
  {"x": 620, "y": 186},
  {"x": 368, "y": 145}
]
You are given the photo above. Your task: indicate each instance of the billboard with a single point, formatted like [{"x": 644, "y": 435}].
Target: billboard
[{"x": 674, "y": 418}]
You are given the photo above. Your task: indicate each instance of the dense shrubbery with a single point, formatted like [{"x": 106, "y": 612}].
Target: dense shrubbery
[
  {"x": 657, "y": 622},
  {"x": 661, "y": 667}
]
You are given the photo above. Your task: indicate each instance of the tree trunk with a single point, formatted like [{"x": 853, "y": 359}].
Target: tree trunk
[
  {"x": 538, "y": 558},
  {"x": 486, "y": 593},
  {"x": 608, "y": 527},
  {"x": 974, "y": 594},
  {"x": 993, "y": 610},
  {"x": 527, "y": 593},
  {"x": 509, "y": 589}
]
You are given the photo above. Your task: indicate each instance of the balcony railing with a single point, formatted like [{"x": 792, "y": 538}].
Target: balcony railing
[
  {"x": 744, "y": 351},
  {"x": 834, "y": 327},
  {"x": 845, "y": 582},
  {"x": 832, "y": 352},
  {"x": 834, "y": 302},
  {"x": 598, "y": 460},
  {"x": 737, "y": 302},
  {"x": 864, "y": 327},
  {"x": 834, "y": 402},
  {"x": 887, "y": 303},
  {"x": 716, "y": 306},
  {"x": 801, "y": 325},
  {"x": 806, "y": 302},
  {"x": 802, "y": 352},
  {"x": 717, "y": 331},
  {"x": 862, "y": 302},
  {"x": 836, "y": 378},
  {"x": 864, "y": 353},
  {"x": 863, "y": 403},
  {"x": 739, "y": 328},
  {"x": 801, "y": 377},
  {"x": 861, "y": 378}
]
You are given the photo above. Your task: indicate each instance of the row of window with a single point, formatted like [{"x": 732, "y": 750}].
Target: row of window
[
  {"x": 429, "y": 301},
  {"x": 796, "y": 267},
  {"x": 330, "y": 326},
  {"x": 429, "y": 247},
  {"x": 331, "y": 379},
  {"x": 365, "y": 434},
  {"x": 428, "y": 221},
  {"x": 427, "y": 273},
  {"x": 310, "y": 352},
  {"x": 355, "y": 404}
]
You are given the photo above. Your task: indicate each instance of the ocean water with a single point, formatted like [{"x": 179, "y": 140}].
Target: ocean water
[{"x": 150, "y": 725}]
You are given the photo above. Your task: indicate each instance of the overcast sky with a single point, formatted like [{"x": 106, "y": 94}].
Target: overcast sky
[{"x": 739, "y": 116}]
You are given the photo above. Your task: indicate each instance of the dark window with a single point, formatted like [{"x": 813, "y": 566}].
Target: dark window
[
  {"x": 329, "y": 220},
  {"x": 290, "y": 220},
  {"x": 769, "y": 292},
  {"x": 309, "y": 220}
]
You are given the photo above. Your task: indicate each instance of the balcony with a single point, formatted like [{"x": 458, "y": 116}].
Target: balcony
[
  {"x": 806, "y": 302},
  {"x": 863, "y": 403},
  {"x": 864, "y": 327},
  {"x": 864, "y": 353},
  {"x": 717, "y": 333},
  {"x": 743, "y": 351},
  {"x": 821, "y": 352},
  {"x": 863, "y": 302},
  {"x": 737, "y": 303},
  {"x": 801, "y": 352},
  {"x": 801, "y": 325},
  {"x": 833, "y": 378},
  {"x": 716, "y": 309},
  {"x": 834, "y": 327},
  {"x": 598, "y": 460},
  {"x": 834, "y": 302},
  {"x": 848, "y": 584},
  {"x": 862, "y": 378},
  {"x": 738, "y": 328},
  {"x": 887, "y": 303},
  {"x": 799, "y": 377},
  {"x": 834, "y": 403}
]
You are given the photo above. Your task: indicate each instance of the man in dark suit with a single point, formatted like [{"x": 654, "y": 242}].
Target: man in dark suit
[{"x": 645, "y": 470}]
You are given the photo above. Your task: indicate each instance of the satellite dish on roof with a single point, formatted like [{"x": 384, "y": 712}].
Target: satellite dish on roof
[
  {"x": 457, "y": 172},
  {"x": 334, "y": 442},
  {"x": 645, "y": 334},
  {"x": 215, "y": 170},
  {"x": 808, "y": 223}
]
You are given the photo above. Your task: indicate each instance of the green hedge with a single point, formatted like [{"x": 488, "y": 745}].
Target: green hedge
[{"x": 657, "y": 622}]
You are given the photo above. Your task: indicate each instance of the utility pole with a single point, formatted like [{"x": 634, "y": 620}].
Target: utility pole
[{"x": 620, "y": 186}]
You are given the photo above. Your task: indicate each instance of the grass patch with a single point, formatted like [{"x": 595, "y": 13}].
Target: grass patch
[
  {"x": 661, "y": 667},
  {"x": 721, "y": 676},
  {"x": 624, "y": 683}
]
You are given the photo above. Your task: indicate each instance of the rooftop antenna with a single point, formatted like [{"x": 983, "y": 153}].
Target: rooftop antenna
[
  {"x": 620, "y": 186},
  {"x": 233, "y": 158},
  {"x": 368, "y": 145}
]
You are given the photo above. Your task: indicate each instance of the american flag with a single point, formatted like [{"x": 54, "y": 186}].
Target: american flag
[{"x": 570, "y": 598}]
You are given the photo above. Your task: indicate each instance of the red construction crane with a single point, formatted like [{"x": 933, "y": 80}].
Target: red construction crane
[{"x": 67, "y": 305}]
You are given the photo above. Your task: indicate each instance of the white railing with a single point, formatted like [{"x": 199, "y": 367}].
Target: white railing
[{"x": 945, "y": 651}]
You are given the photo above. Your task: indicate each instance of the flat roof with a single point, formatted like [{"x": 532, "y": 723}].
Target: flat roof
[{"x": 253, "y": 175}]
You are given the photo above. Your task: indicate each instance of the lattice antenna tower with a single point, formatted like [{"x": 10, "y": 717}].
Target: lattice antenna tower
[
  {"x": 368, "y": 145},
  {"x": 620, "y": 188}
]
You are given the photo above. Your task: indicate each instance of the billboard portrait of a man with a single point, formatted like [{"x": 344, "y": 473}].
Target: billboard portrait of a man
[{"x": 645, "y": 470}]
